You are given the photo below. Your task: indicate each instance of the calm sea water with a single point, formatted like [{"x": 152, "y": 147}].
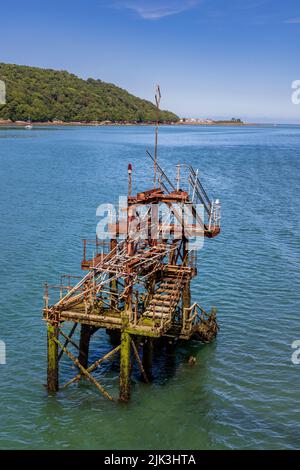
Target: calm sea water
[{"x": 244, "y": 390}]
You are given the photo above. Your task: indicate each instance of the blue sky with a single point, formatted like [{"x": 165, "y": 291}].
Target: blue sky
[{"x": 212, "y": 58}]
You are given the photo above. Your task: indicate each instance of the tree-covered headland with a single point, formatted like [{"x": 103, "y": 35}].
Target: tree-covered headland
[{"x": 49, "y": 95}]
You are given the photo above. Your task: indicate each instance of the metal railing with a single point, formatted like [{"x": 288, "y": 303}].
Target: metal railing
[
  {"x": 99, "y": 247},
  {"x": 191, "y": 316}
]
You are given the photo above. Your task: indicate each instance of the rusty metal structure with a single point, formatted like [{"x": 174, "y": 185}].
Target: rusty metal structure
[{"x": 137, "y": 284}]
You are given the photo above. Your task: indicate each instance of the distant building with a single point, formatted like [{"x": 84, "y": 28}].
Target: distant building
[{"x": 195, "y": 121}]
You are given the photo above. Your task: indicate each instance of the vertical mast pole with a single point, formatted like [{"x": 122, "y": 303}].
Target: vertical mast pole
[
  {"x": 178, "y": 177},
  {"x": 157, "y": 99},
  {"x": 129, "y": 179}
]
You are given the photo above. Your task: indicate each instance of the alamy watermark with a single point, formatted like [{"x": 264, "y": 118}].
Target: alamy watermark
[
  {"x": 154, "y": 221},
  {"x": 2, "y": 92},
  {"x": 296, "y": 93},
  {"x": 2, "y": 353},
  {"x": 296, "y": 354}
]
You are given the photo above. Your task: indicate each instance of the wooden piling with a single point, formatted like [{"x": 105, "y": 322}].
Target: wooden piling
[
  {"x": 186, "y": 290},
  {"x": 125, "y": 367},
  {"x": 186, "y": 295},
  {"x": 139, "y": 362},
  {"x": 113, "y": 282},
  {"x": 114, "y": 336},
  {"x": 52, "y": 354},
  {"x": 83, "y": 370},
  {"x": 85, "y": 336},
  {"x": 148, "y": 357}
]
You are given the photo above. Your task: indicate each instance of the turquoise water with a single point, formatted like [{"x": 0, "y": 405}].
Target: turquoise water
[{"x": 244, "y": 390}]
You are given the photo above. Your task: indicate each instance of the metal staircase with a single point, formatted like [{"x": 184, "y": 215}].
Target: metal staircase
[{"x": 163, "y": 304}]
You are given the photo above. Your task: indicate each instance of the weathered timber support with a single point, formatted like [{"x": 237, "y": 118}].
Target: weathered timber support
[
  {"x": 68, "y": 339},
  {"x": 113, "y": 282},
  {"x": 83, "y": 370},
  {"x": 148, "y": 357},
  {"x": 139, "y": 362},
  {"x": 170, "y": 345},
  {"x": 52, "y": 354},
  {"x": 186, "y": 290},
  {"x": 150, "y": 284},
  {"x": 85, "y": 336},
  {"x": 94, "y": 366},
  {"x": 114, "y": 336},
  {"x": 186, "y": 295},
  {"x": 125, "y": 367},
  {"x": 126, "y": 316}
]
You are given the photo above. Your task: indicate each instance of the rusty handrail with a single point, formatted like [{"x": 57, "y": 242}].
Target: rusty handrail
[{"x": 196, "y": 315}]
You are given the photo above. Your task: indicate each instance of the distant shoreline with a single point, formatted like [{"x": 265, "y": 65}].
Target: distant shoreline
[{"x": 8, "y": 123}]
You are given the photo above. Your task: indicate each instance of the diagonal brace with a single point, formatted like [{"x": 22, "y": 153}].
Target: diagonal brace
[
  {"x": 68, "y": 339},
  {"x": 84, "y": 371},
  {"x": 92, "y": 367},
  {"x": 139, "y": 361}
]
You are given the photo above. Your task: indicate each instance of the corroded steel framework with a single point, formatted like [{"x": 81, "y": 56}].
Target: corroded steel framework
[{"x": 137, "y": 284}]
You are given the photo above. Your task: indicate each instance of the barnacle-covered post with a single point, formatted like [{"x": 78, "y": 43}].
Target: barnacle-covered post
[
  {"x": 85, "y": 332},
  {"x": 125, "y": 364},
  {"x": 52, "y": 348},
  {"x": 52, "y": 356},
  {"x": 126, "y": 314},
  {"x": 113, "y": 282},
  {"x": 148, "y": 356},
  {"x": 84, "y": 344},
  {"x": 186, "y": 290},
  {"x": 125, "y": 367}
]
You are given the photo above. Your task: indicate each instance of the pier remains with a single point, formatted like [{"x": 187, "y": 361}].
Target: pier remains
[{"x": 137, "y": 284}]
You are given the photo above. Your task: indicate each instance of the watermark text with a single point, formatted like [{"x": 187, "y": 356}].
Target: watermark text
[
  {"x": 296, "y": 94},
  {"x": 154, "y": 221},
  {"x": 2, "y": 353},
  {"x": 2, "y": 92}
]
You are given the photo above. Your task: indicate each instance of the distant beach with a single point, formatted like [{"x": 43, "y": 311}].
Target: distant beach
[{"x": 8, "y": 123}]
